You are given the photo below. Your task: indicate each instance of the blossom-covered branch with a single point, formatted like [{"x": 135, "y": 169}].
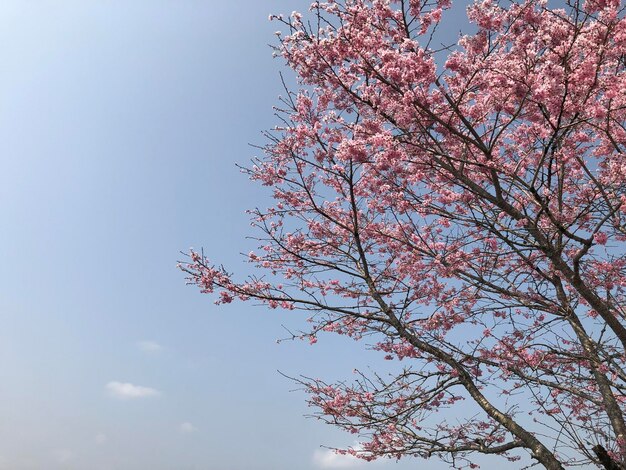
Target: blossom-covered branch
[{"x": 464, "y": 214}]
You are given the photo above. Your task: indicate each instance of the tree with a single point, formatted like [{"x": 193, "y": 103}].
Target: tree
[{"x": 462, "y": 209}]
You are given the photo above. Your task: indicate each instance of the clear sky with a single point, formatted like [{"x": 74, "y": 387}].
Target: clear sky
[{"x": 120, "y": 126}]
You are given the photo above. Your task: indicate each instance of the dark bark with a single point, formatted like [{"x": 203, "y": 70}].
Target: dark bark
[{"x": 606, "y": 460}]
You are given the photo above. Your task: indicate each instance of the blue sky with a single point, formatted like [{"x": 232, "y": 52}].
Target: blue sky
[{"x": 120, "y": 126}]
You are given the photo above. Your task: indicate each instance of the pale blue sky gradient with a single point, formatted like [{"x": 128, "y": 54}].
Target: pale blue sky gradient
[{"x": 120, "y": 126}]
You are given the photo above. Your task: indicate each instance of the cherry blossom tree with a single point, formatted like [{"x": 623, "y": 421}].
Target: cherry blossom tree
[{"x": 461, "y": 209}]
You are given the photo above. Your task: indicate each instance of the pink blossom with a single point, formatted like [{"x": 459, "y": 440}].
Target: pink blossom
[{"x": 463, "y": 216}]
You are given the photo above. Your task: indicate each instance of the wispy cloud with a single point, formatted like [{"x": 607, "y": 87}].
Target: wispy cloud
[
  {"x": 63, "y": 455},
  {"x": 128, "y": 390},
  {"x": 327, "y": 458},
  {"x": 149, "y": 346},
  {"x": 101, "y": 439},
  {"x": 187, "y": 427}
]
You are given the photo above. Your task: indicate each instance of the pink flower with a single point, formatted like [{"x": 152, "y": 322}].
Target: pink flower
[{"x": 601, "y": 238}]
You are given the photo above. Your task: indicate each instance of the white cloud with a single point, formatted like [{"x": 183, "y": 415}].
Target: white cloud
[
  {"x": 327, "y": 458},
  {"x": 63, "y": 455},
  {"x": 149, "y": 346},
  {"x": 101, "y": 439},
  {"x": 187, "y": 427},
  {"x": 127, "y": 390}
]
